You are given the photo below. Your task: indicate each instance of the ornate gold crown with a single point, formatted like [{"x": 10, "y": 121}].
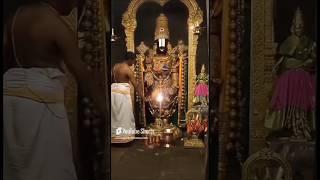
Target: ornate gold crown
[
  {"x": 297, "y": 19},
  {"x": 162, "y": 28}
]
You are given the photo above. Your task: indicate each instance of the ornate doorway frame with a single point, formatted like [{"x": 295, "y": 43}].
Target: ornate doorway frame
[{"x": 129, "y": 21}]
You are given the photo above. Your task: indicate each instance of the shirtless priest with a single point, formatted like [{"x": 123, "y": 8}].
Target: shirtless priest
[
  {"x": 122, "y": 118},
  {"x": 37, "y": 143}
]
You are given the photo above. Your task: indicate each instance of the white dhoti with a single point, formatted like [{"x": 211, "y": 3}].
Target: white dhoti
[
  {"x": 37, "y": 142},
  {"x": 122, "y": 118}
]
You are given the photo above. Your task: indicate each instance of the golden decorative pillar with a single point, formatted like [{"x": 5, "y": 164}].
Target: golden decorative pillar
[
  {"x": 192, "y": 50},
  {"x": 130, "y": 23},
  {"x": 181, "y": 48},
  {"x": 263, "y": 49},
  {"x": 195, "y": 19}
]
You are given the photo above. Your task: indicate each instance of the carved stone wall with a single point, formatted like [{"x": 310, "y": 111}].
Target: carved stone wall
[{"x": 262, "y": 60}]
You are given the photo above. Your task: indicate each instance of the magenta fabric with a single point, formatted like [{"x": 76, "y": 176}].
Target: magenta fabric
[
  {"x": 202, "y": 90},
  {"x": 294, "y": 88}
]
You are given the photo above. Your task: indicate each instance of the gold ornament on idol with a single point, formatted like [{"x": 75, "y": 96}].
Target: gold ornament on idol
[{"x": 162, "y": 28}]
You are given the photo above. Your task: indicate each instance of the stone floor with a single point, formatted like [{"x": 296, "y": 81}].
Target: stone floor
[{"x": 137, "y": 162}]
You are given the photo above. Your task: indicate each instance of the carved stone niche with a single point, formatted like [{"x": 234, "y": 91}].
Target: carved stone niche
[{"x": 129, "y": 21}]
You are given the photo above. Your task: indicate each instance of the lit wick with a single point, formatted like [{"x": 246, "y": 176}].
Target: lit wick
[
  {"x": 160, "y": 99},
  {"x": 113, "y": 37}
]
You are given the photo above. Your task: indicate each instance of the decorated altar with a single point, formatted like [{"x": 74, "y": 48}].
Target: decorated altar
[
  {"x": 167, "y": 61},
  {"x": 166, "y": 68}
]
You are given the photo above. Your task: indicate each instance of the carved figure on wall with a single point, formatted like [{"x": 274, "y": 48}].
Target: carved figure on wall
[
  {"x": 293, "y": 101},
  {"x": 202, "y": 88}
]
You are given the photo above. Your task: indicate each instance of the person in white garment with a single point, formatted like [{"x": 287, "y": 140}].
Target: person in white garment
[
  {"x": 37, "y": 142},
  {"x": 122, "y": 118}
]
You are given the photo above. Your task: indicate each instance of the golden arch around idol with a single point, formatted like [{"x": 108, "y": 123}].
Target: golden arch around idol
[{"x": 174, "y": 105}]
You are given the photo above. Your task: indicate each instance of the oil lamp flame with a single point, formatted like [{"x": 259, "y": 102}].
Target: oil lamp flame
[
  {"x": 160, "y": 98},
  {"x": 113, "y": 36}
]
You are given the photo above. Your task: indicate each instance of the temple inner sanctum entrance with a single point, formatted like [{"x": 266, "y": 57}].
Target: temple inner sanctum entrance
[{"x": 167, "y": 138}]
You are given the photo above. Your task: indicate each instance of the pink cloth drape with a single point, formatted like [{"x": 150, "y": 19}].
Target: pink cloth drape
[{"x": 294, "y": 88}]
